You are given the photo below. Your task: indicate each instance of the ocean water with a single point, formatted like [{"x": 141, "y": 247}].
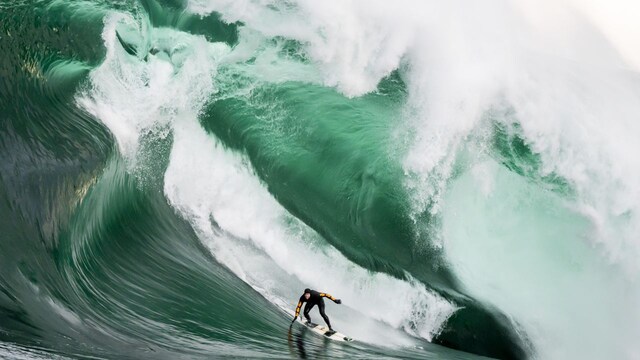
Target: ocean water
[{"x": 463, "y": 175}]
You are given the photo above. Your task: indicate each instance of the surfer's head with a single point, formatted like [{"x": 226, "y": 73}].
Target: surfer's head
[{"x": 307, "y": 293}]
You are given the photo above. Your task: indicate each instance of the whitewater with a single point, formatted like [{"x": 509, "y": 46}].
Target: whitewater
[{"x": 464, "y": 176}]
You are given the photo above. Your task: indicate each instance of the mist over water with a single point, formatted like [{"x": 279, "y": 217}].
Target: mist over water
[{"x": 464, "y": 176}]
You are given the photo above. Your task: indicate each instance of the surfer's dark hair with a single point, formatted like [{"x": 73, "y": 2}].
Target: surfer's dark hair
[{"x": 307, "y": 290}]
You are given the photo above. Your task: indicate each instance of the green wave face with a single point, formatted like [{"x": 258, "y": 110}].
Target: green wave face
[{"x": 174, "y": 173}]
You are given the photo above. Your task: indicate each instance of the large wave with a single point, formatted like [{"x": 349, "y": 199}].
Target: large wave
[{"x": 461, "y": 174}]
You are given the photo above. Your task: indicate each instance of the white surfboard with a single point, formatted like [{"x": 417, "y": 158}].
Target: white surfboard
[{"x": 323, "y": 330}]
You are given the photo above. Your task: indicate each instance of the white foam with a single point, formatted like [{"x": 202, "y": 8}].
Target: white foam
[
  {"x": 134, "y": 97},
  {"x": 524, "y": 250},
  {"x": 353, "y": 45}
]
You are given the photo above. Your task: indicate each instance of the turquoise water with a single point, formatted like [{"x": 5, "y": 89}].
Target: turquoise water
[{"x": 174, "y": 173}]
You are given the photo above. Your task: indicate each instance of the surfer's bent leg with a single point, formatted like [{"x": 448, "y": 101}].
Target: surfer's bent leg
[
  {"x": 308, "y": 308},
  {"x": 324, "y": 316}
]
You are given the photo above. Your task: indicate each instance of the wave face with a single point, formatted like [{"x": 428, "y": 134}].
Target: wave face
[{"x": 463, "y": 176}]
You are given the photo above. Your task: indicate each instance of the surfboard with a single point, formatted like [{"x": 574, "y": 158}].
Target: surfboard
[{"x": 322, "y": 330}]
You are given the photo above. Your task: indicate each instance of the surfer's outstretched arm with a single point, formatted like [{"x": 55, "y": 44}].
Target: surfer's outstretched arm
[
  {"x": 297, "y": 310},
  {"x": 337, "y": 301}
]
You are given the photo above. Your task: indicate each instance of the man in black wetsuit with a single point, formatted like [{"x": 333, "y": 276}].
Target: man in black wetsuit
[{"x": 312, "y": 298}]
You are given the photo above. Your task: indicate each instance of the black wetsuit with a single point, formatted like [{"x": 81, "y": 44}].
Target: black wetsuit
[{"x": 314, "y": 299}]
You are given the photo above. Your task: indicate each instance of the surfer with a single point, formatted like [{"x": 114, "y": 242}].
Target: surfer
[{"x": 313, "y": 298}]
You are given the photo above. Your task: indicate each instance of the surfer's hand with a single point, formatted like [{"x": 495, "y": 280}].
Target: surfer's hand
[
  {"x": 338, "y": 301},
  {"x": 294, "y": 319}
]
